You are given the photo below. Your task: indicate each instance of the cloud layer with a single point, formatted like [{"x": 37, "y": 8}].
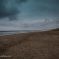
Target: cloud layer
[
  {"x": 9, "y": 7},
  {"x": 32, "y": 15}
]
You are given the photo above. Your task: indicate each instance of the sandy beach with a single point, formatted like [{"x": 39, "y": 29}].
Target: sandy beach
[{"x": 33, "y": 45}]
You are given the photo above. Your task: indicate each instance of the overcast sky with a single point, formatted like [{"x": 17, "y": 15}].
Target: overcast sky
[{"x": 29, "y": 14}]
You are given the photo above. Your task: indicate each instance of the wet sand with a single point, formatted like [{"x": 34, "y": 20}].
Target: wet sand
[{"x": 33, "y": 45}]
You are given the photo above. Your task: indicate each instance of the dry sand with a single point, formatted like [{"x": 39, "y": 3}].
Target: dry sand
[{"x": 34, "y": 45}]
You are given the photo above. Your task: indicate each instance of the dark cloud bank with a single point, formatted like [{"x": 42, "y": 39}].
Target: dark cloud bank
[{"x": 9, "y": 7}]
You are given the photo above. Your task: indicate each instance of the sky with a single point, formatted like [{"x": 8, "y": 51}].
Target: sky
[{"x": 29, "y": 14}]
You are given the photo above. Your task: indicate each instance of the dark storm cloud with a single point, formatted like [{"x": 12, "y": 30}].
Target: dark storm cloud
[{"x": 9, "y": 7}]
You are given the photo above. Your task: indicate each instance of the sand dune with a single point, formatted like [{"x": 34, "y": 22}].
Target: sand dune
[{"x": 34, "y": 45}]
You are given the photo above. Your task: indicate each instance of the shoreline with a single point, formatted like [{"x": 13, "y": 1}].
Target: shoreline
[{"x": 22, "y": 31}]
